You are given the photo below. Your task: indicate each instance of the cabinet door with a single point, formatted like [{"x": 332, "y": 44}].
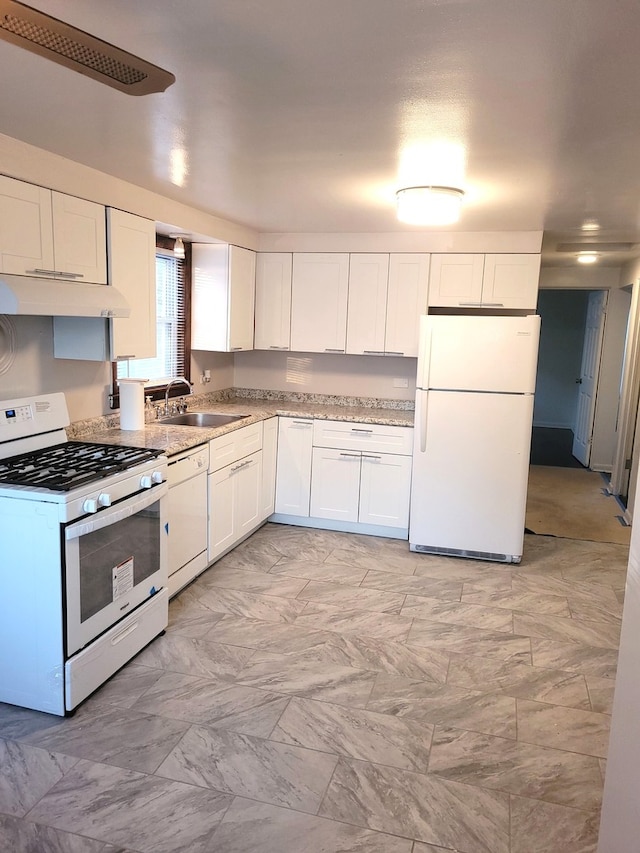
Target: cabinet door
[
  {"x": 293, "y": 471},
  {"x": 367, "y": 303},
  {"x": 26, "y": 228},
  {"x": 511, "y": 281},
  {"x": 273, "y": 300},
  {"x": 80, "y": 238},
  {"x": 384, "y": 490},
  {"x": 269, "y": 456},
  {"x": 335, "y": 484},
  {"x": 456, "y": 280},
  {"x": 222, "y": 512},
  {"x": 406, "y": 301},
  {"x": 242, "y": 286},
  {"x": 247, "y": 494},
  {"x": 319, "y": 302},
  {"x": 132, "y": 269}
]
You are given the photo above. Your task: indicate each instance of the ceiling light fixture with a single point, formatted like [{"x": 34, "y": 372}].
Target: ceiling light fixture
[
  {"x": 178, "y": 248},
  {"x": 587, "y": 257},
  {"x": 429, "y": 205}
]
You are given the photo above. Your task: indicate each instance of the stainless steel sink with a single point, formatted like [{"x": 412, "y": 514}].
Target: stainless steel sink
[{"x": 202, "y": 419}]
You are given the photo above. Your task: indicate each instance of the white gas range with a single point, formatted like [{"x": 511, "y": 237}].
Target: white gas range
[{"x": 83, "y": 556}]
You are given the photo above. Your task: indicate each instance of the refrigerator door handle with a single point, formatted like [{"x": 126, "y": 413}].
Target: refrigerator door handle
[
  {"x": 424, "y": 353},
  {"x": 422, "y": 398}
]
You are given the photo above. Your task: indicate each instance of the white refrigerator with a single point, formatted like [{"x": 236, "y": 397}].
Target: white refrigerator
[{"x": 474, "y": 412}]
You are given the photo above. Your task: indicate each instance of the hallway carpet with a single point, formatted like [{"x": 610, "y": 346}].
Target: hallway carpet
[{"x": 573, "y": 503}]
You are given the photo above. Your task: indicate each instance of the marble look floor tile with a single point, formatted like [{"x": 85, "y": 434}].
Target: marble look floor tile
[
  {"x": 363, "y": 623},
  {"x": 187, "y": 616},
  {"x": 382, "y": 561},
  {"x": 216, "y": 704},
  {"x": 517, "y": 768},
  {"x": 125, "y": 687},
  {"x": 596, "y": 611},
  {"x": 620, "y": 595},
  {"x": 573, "y": 589},
  {"x": 122, "y": 737},
  {"x": 586, "y": 732},
  {"x": 133, "y": 810},
  {"x": 443, "y": 704},
  {"x": 301, "y": 544},
  {"x": 422, "y": 807},
  {"x": 489, "y": 581},
  {"x": 194, "y": 657},
  {"x": 345, "y": 596},
  {"x": 285, "y": 638},
  {"x": 19, "y": 723},
  {"x": 263, "y": 583},
  {"x": 253, "y": 605},
  {"x": 328, "y": 572},
  {"x": 589, "y": 660},
  {"x": 599, "y": 634},
  {"x": 520, "y": 680},
  {"x": 601, "y": 692},
  {"x": 419, "y": 847},
  {"x": 527, "y": 602},
  {"x": 251, "y": 767},
  {"x": 366, "y": 735},
  {"x": 27, "y": 774},
  {"x": 21, "y": 836},
  {"x": 303, "y": 675},
  {"x": 250, "y": 827},
  {"x": 459, "y": 569},
  {"x": 458, "y": 613},
  {"x": 254, "y": 554},
  {"x": 410, "y": 584},
  {"x": 471, "y": 641},
  {"x": 551, "y": 828},
  {"x": 387, "y": 656}
]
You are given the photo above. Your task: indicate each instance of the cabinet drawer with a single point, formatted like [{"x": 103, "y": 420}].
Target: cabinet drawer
[
  {"x": 234, "y": 445},
  {"x": 377, "y": 438}
]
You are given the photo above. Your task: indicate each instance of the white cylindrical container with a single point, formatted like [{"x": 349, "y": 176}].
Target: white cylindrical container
[{"x": 132, "y": 403}]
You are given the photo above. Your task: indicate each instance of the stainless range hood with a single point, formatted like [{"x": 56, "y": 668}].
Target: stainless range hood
[{"x": 57, "y": 298}]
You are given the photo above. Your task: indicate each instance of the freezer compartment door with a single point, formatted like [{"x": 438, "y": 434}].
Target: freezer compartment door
[
  {"x": 469, "y": 485},
  {"x": 469, "y": 353}
]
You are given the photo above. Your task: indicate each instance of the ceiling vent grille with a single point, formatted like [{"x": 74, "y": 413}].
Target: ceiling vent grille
[
  {"x": 595, "y": 247},
  {"x": 80, "y": 51}
]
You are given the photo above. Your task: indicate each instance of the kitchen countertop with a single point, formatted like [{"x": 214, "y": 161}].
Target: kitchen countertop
[{"x": 172, "y": 439}]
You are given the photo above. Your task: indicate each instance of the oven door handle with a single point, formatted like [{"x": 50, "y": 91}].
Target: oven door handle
[{"x": 118, "y": 513}]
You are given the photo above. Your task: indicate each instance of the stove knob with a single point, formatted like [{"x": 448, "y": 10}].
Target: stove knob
[
  {"x": 157, "y": 477},
  {"x": 145, "y": 482},
  {"x": 104, "y": 499},
  {"x": 90, "y": 505}
]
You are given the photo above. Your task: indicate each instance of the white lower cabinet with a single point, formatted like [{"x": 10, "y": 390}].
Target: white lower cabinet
[
  {"x": 293, "y": 475},
  {"x": 345, "y": 476},
  {"x": 235, "y": 488},
  {"x": 269, "y": 461}
]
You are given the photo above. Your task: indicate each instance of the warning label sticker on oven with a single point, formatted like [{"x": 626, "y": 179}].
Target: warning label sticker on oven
[{"x": 122, "y": 578}]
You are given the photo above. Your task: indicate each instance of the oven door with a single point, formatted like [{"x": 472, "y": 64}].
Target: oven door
[{"x": 114, "y": 561}]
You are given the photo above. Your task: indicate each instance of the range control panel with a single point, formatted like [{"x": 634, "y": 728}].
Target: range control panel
[
  {"x": 19, "y": 414},
  {"x": 26, "y": 417}
]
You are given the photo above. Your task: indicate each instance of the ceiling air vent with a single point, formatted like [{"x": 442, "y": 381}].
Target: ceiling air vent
[
  {"x": 595, "y": 247},
  {"x": 66, "y": 45}
]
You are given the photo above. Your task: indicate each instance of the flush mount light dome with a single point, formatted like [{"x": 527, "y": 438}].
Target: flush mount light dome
[
  {"x": 587, "y": 257},
  {"x": 429, "y": 205}
]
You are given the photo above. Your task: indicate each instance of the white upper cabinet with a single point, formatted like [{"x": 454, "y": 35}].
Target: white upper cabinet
[
  {"x": 456, "y": 280},
  {"x": 367, "y": 304},
  {"x": 51, "y": 234},
  {"x": 273, "y": 300},
  {"x": 319, "y": 302},
  {"x": 511, "y": 281},
  {"x": 132, "y": 270},
  {"x": 406, "y": 301},
  {"x": 508, "y": 281},
  {"x": 223, "y": 297}
]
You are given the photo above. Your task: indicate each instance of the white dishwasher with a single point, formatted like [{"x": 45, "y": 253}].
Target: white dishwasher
[{"x": 187, "y": 478}]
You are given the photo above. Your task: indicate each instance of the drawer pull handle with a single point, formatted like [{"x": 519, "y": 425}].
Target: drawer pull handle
[
  {"x": 356, "y": 429},
  {"x": 369, "y": 456},
  {"x": 393, "y": 352},
  {"x": 241, "y": 465},
  {"x": 373, "y": 352},
  {"x": 303, "y": 423},
  {"x": 351, "y": 455},
  {"x": 331, "y": 349}
]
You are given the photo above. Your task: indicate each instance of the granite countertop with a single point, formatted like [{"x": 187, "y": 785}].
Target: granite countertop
[{"x": 173, "y": 439}]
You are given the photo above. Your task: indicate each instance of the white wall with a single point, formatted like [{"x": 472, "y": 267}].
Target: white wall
[{"x": 317, "y": 373}]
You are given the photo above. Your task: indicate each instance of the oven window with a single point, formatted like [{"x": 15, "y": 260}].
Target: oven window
[{"x": 116, "y": 558}]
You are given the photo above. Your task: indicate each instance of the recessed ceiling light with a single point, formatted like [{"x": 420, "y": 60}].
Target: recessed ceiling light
[
  {"x": 429, "y": 205},
  {"x": 590, "y": 225},
  {"x": 587, "y": 257}
]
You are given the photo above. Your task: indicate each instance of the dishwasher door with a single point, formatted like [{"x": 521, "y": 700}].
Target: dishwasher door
[{"x": 187, "y": 478}]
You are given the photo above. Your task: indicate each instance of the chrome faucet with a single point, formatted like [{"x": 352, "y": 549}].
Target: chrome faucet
[{"x": 173, "y": 382}]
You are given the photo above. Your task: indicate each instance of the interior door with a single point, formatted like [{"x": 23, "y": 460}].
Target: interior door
[{"x": 588, "y": 381}]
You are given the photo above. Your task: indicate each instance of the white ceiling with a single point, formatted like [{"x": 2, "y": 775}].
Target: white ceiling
[{"x": 292, "y": 115}]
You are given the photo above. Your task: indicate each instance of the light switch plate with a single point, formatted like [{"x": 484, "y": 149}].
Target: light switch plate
[{"x": 400, "y": 383}]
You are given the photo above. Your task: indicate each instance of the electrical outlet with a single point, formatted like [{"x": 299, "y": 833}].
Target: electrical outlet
[{"x": 399, "y": 382}]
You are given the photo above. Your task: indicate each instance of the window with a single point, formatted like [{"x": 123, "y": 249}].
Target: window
[{"x": 172, "y": 345}]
